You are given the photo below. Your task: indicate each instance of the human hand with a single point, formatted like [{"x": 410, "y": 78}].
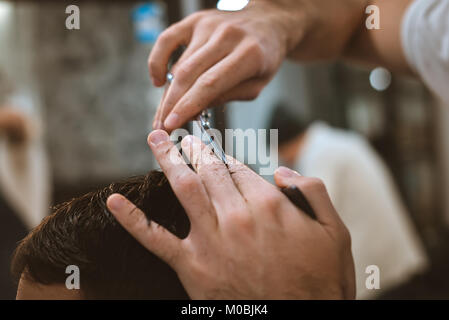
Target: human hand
[
  {"x": 233, "y": 55},
  {"x": 229, "y": 56},
  {"x": 247, "y": 240}
]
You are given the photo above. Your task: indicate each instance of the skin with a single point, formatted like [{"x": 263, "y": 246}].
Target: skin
[
  {"x": 382, "y": 47},
  {"x": 242, "y": 227},
  {"x": 233, "y": 55},
  {"x": 29, "y": 290}
]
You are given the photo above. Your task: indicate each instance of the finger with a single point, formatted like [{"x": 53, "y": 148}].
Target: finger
[
  {"x": 313, "y": 189},
  {"x": 249, "y": 183},
  {"x": 161, "y": 114},
  {"x": 244, "y": 91},
  {"x": 186, "y": 184},
  {"x": 216, "y": 178},
  {"x": 157, "y": 123},
  {"x": 220, "y": 78},
  {"x": 263, "y": 197},
  {"x": 169, "y": 40},
  {"x": 152, "y": 236},
  {"x": 198, "y": 40},
  {"x": 187, "y": 71}
]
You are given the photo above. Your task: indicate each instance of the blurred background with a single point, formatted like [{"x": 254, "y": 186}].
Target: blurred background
[{"x": 88, "y": 106}]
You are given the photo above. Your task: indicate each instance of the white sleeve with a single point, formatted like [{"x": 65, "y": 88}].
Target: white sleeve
[{"x": 425, "y": 39}]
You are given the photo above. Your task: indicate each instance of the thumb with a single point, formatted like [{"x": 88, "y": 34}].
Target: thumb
[
  {"x": 313, "y": 189},
  {"x": 151, "y": 235}
]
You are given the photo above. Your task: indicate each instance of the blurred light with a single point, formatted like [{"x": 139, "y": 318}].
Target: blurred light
[
  {"x": 190, "y": 6},
  {"x": 232, "y": 5},
  {"x": 148, "y": 19},
  {"x": 380, "y": 79},
  {"x": 5, "y": 10}
]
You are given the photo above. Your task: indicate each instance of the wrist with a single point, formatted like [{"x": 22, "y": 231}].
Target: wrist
[
  {"x": 317, "y": 30},
  {"x": 287, "y": 18}
]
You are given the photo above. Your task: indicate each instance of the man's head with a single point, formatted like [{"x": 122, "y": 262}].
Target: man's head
[
  {"x": 291, "y": 131},
  {"x": 112, "y": 264}
]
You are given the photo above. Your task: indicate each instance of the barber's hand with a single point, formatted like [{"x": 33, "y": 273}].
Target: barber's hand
[
  {"x": 229, "y": 56},
  {"x": 247, "y": 240},
  {"x": 233, "y": 55},
  {"x": 14, "y": 125}
]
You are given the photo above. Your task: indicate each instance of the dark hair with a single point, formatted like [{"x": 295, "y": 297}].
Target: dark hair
[
  {"x": 112, "y": 264},
  {"x": 289, "y": 126}
]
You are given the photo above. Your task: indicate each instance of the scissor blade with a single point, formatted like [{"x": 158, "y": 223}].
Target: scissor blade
[{"x": 216, "y": 148}]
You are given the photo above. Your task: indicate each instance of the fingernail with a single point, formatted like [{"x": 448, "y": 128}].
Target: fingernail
[
  {"x": 116, "y": 202},
  {"x": 172, "y": 121},
  {"x": 158, "y": 136},
  {"x": 286, "y": 172},
  {"x": 188, "y": 140}
]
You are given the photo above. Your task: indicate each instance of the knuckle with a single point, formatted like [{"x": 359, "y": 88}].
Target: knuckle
[
  {"x": 136, "y": 217},
  {"x": 212, "y": 167},
  {"x": 206, "y": 22},
  {"x": 182, "y": 72},
  {"x": 166, "y": 36},
  {"x": 153, "y": 65},
  {"x": 314, "y": 185},
  {"x": 255, "y": 51},
  {"x": 187, "y": 181},
  {"x": 254, "y": 92},
  {"x": 239, "y": 171},
  {"x": 272, "y": 200},
  {"x": 199, "y": 15},
  {"x": 230, "y": 31},
  {"x": 164, "y": 149},
  {"x": 241, "y": 220},
  {"x": 174, "y": 157},
  {"x": 155, "y": 238},
  {"x": 209, "y": 81},
  {"x": 133, "y": 211}
]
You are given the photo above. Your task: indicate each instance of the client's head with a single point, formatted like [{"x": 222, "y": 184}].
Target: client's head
[
  {"x": 111, "y": 263},
  {"x": 291, "y": 131}
]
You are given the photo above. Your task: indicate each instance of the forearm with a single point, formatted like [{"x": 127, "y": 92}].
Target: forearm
[
  {"x": 381, "y": 46},
  {"x": 326, "y": 30},
  {"x": 318, "y": 29}
]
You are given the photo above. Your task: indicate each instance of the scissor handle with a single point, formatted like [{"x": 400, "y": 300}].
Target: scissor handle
[{"x": 295, "y": 195}]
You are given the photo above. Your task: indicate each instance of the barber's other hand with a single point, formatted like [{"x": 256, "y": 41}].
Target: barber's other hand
[
  {"x": 247, "y": 240},
  {"x": 233, "y": 55},
  {"x": 229, "y": 56}
]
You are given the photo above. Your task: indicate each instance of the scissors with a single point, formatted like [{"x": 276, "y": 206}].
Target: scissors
[
  {"x": 293, "y": 193},
  {"x": 203, "y": 122}
]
